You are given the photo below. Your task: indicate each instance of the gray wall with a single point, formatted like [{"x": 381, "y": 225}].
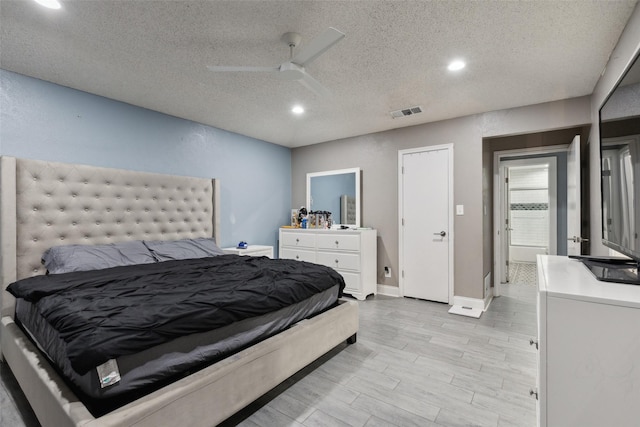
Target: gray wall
[
  {"x": 377, "y": 155},
  {"x": 44, "y": 121},
  {"x": 622, "y": 56}
]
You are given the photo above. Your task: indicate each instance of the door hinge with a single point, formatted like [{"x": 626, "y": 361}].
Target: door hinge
[
  {"x": 403, "y": 274},
  {"x": 403, "y": 222},
  {"x": 403, "y": 170},
  {"x": 507, "y": 263},
  {"x": 506, "y": 179}
]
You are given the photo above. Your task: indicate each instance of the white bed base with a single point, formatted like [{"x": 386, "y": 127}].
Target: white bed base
[{"x": 45, "y": 204}]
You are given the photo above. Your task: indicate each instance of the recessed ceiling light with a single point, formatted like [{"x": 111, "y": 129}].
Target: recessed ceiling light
[
  {"x": 51, "y": 4},
  {"x": 456, "y": 65},
  {"x": 297, "y": 110}
]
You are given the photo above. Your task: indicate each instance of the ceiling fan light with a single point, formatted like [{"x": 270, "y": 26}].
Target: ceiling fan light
[
  {"x": 456, "y": 65},
  {"x": 51, "y": 4}
]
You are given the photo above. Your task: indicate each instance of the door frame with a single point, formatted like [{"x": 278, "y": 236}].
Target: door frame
[
  {"x": 449, "y": 148},
  {"x": 498, "y": 156}
]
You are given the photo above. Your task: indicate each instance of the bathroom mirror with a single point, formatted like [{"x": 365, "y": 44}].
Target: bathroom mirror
[{"x": 338, "y": 192}]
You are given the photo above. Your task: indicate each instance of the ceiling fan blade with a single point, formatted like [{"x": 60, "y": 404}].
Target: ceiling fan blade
[
  {"x": 240, "y": 68},
  {"x": 313, "y": 85},
  {"x": 317, "y": 46}
]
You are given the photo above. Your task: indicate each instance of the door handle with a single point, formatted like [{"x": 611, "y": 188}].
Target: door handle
[{"x": 441, "y": 234}]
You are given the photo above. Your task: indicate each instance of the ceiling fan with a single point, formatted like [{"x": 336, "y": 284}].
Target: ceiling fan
[{"x": 294, "y": 68}]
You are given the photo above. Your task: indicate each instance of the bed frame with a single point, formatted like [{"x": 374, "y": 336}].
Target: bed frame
[{"x": 43, "y": 204}]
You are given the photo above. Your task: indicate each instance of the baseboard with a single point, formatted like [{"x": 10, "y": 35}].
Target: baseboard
[
  {"x": 390, "y": 291},
  {"x": 487, "y": 299}
]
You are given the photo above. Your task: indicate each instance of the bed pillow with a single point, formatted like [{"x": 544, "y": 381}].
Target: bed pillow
[
  {"x": 167, "y": 250},
  {"x": 68, "y": 258}
]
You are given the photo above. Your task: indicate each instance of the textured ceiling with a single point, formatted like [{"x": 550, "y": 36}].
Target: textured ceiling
[{"x": 154, "y": 54}]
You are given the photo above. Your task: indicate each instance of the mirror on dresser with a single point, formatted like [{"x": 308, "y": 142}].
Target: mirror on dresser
[{"x": 338, "y": 192}]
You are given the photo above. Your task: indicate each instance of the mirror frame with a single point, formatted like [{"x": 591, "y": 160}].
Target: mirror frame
[{"x": 356, "y": 171}]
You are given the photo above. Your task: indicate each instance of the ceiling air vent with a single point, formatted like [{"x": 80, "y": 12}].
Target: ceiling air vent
[{"x": 406, "y": 112}]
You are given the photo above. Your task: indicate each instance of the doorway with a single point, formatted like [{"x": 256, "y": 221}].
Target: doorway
[
  {"x": 425, "y": 191},
  {"x": 556, "y": 143},
  {"x": 528, "y": 216},
  {"x": 537, "y": 207}
]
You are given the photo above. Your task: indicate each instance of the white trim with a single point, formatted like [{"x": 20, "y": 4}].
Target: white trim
[
  {"x": 337, "y": 172},
  {"x": 497, "y": 158},
  {"x": 449, "y": 148},
  {"x": 547, "y": 149},
  {"x": 390, "y": 291},
  {"x": 487, "y": 299}
]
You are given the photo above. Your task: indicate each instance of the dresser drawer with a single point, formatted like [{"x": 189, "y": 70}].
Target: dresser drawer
[
  {"x": 299, "y": 240},
  {"x": 339, "y": 261},
  {"x": 298, "y": 254},
  {"x": 344, "y": 242},
  {"x": 352, "y": 282}
]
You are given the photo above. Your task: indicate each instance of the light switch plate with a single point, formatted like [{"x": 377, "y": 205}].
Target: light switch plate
[{"x": 459, "y": 209}]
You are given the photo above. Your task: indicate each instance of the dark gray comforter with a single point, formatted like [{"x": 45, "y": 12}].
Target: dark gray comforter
[{"x": 105, "y": 314}]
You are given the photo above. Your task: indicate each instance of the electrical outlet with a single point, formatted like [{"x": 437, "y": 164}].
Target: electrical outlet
[{"x": 387, "y": 271}]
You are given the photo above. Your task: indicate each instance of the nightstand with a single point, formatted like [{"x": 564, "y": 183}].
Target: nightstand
[{"x": 252, "y": 250}]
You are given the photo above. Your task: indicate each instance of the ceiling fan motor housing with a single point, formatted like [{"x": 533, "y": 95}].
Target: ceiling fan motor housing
[
  {"x": 290, "y": 71},
  {"x": 291, "y": 39}
]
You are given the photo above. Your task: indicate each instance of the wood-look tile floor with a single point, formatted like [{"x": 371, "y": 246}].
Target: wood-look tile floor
[{"x": 413, "y": 365}]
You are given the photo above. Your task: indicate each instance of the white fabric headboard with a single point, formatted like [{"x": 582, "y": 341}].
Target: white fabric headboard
[{"x": 44, "y": 204}]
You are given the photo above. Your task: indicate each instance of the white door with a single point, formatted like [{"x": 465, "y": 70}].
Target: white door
[
  {"x": 425, "y": 223},
  {"x": 573, "y": 198}
]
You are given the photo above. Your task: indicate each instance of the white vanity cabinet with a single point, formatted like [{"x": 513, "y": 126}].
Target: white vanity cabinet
[
  {"x": 352, "y": 253},
  {"x": 589, "y": 347}
]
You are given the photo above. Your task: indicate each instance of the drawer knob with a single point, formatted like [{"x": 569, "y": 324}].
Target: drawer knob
[
  {"x": 336, "y": 261},
  {"x": 533, "y": 342},
  {"x": 297, "y": 256},
  {"x": 337, "y": 242},
  {"x": 297, "y": 240}
]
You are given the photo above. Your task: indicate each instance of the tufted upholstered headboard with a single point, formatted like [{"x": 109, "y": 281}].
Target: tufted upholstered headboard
[{"x": 44, "y": 204}]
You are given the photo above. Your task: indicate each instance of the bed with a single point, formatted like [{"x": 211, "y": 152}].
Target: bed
[{"x": 46, "y": 204}]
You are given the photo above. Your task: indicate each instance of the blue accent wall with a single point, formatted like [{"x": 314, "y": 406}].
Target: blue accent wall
[{"x": 45, "y": 121}]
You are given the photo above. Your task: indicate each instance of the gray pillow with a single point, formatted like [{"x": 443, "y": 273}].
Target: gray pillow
[
  {"x": 68, "y": 258},
  {"x": 167, "y": 250}
]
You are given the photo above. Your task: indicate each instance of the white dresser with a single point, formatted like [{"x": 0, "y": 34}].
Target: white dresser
[
  {"x": 352, "y": 253},
  {"x": 589, "y": 347}
]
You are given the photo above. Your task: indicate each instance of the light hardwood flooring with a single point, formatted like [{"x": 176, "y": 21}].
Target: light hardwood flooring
[{"x": 413, "y": 365}]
